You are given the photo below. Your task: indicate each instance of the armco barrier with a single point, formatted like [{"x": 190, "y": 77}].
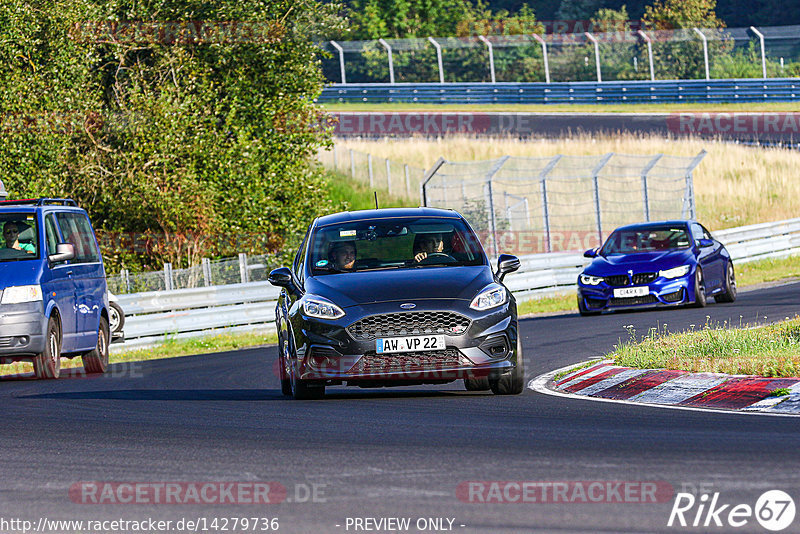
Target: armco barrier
[
  {"x": 188, "y": 313},
  {"x": 627, "y": 92}
]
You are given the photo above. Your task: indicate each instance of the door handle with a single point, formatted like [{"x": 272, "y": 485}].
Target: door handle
[{"x": 69, "y": 273}]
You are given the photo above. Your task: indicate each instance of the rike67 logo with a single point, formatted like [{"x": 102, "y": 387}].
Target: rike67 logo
[{"x": 774, "y": 510}]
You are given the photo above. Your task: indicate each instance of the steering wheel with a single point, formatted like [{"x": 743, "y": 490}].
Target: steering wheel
[{"x": 437, "y": 257}]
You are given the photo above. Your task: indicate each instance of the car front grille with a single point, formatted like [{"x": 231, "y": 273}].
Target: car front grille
[
  {"x": 632, "y": 301},
  {"x": 617, "y": 280},
  {"x": 409, "y": 324},
  {"x": 643, "y": 278},
  {"x": 6, "y": 342},
  {"x": 372, "y": 362}
]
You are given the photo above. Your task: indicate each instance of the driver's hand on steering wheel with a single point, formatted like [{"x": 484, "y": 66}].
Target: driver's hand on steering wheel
[{"x": 420, "y": 256}]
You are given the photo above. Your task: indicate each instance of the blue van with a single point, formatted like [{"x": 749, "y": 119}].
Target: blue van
[{"x": 53, "y": 294}]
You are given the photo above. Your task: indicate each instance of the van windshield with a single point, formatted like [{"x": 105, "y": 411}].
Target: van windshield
[{"x": 20, "y": 237}]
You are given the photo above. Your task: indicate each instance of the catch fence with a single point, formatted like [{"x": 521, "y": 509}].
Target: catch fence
[{"x": 398, "y": 179}]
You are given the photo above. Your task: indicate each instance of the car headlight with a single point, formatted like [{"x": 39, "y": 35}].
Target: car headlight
[
  {"x": 19, "y": 294},
  {"x": 321, "y": 308},
  {"x": 675, "y": 272},
  {"x": 589, "y": 280},
  {"x": 491, "y": 296}
]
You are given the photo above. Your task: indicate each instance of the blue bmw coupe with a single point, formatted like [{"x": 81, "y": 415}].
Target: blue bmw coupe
[{"x": 656, "y": 264}]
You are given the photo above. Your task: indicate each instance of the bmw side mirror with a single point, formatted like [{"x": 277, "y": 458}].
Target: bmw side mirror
[
  {"x": 591, "y": 253},
  {"x": 704, "y": 243},
  {"x": 64, "y": 251},
  {"x": 507, "y": 263},
  {"x": 281, "y": 277}
]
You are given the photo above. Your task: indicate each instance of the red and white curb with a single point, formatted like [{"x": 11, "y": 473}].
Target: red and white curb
[{"x": 604, "y": 381}]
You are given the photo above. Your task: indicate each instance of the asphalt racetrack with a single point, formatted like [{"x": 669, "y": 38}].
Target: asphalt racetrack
[{"x": 409, "y": 453}]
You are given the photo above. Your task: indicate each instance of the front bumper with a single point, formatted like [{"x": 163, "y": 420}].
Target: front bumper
[
  {"x": 488, "y": 346},
  {"x": 661, "y": 293},
  {"x": 22, "y": 333}
]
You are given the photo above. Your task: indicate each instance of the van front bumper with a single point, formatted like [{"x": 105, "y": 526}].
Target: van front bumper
[{"x": 21, "y": 331}]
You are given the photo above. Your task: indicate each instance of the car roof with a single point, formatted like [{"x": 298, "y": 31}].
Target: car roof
[
  {"x": 385, "y": 213},
  {"x": 650, "y": 224}
]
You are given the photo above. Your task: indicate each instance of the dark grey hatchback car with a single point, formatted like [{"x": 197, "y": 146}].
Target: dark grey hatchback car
[{"x": 396, "y": 297}]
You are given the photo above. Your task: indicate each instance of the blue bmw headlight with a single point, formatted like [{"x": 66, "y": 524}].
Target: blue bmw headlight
[
  {"x": 589, "y": 280},
  {"x": 675, "y": 272}
]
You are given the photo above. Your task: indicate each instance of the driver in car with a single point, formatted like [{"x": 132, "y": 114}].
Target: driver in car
[
  {"x": 427, "y": 244},
  {"x": 343, "y": 255},
  {"x": 11, "y": 235}
]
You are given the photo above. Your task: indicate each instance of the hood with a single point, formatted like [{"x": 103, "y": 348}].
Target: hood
[
  {"x": 352, "y": 289},
  {"x": 643, "y": 262},
  {"x": 20, "y": 273}
]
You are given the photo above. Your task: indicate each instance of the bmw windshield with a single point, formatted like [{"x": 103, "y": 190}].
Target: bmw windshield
[
  {"x": 401, "y": 243},
  {"x": 646, "y": 239}
]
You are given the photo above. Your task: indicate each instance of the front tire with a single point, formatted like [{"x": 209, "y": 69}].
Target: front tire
[
  {"x": 512, "y": 383},
  {"x": 583, "y": 310},
  {"x": 96, "y": 361},
  {"x": 302, "y": 389},
  {"x": 48, "y": 363},
  {"x": 729, "y": 295},
  {"x": 699, "y": 289},
  {"x": 477, "y": 384}
]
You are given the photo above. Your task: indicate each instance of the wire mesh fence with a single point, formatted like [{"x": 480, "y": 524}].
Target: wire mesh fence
[
  {"x": 398, "y": 179},
  {"x": 245, "y": 268},
  {"x": 552, "y": 204},
  {"x": 626, "y": 54}
]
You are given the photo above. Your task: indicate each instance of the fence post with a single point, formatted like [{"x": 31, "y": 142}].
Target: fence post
[
  {"x": 388, "y": 175},
  {"x": 438, "y": 58},
  {"x": 645, "y": 194},
  {"x": 544, "y": 53},
  {"x": 763, "y": 52},
  {"x": 423, "y": 196},
  {"x": 596, "y": 54},
  {"x": 545, "y": 208},
  {"x": 168, "y": 282},
  {"x": 391, "y": 63},
  {"x": 369, "y": 169},
  {"x": 352, "y": 164},
  {"x": 492, "y": 220},
  {"x": 596, "y": 181},
  {"x": 491, "y": 55},
  {"x": 341, "y": 60},
  {"x": 243, "y": 271},
  {"x": 335, "y": 159},
  {"x": 126, "y": 279},
  {"x": 649, "y": 54},
  {"x": 689, "y": 194},
  {"x": 206, "y": 263},
  {"x": 705, "y": 50},
  {"x": 408, "y": 180}
]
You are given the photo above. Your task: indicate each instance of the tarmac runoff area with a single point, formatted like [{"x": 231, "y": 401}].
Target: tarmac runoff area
[{"x": 607, "y": 382}]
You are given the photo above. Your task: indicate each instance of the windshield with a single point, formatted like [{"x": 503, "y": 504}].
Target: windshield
[
  {"x": 649, "y": 239},
  {"x": 402, "y": 243},
  {"x": 20, "y": 237}
]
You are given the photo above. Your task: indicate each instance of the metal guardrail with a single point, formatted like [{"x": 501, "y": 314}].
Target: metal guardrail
[
  {"x": 187, "y": 313},
  {"x": 617, "y": 92}
]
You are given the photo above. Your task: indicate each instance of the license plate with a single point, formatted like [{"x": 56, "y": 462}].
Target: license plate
[
  {"x": 623, "y": 292},
  {"x": 409, "y": 344}
]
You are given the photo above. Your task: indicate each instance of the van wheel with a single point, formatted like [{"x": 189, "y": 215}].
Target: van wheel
[
  {"x": 48, "y": 363},
  {"x": 96, "y": 361}
]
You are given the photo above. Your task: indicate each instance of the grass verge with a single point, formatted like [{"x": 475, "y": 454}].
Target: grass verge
[
  {"x": 353, "y": 195},
  {"x": 771, "y": 351},
  {"x": 169, "y": 348}
]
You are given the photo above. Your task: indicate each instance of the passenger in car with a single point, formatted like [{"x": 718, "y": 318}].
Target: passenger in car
[
  {"x": 343, "y": 255},
  {"x": 11, "y": 235}
]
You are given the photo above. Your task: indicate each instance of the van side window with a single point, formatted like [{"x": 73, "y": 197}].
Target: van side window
[
  {"x": 51, "y": 235},
  {"x": 76, "y": 230}
]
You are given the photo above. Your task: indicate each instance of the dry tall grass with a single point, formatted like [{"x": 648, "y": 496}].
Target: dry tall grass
[{"x": 734, "y": 185}]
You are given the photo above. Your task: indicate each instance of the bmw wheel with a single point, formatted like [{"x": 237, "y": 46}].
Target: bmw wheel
[
  {"x": 699, "y": 288},
  {"x": 729, "y": 295}
]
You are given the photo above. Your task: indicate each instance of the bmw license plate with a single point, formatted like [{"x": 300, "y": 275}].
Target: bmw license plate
[
  {"x": 409, "y": 344},
  {"x": 623, "y": 292}
]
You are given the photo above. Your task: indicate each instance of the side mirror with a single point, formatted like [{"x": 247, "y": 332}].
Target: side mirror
[
  {"x": 64, "y": 251},
  {"x": 591, "y": 253},
  {"x": 705, "y": 243},
  {"x": 506, "y": 263},
  {"x": 281, "y": 277}
]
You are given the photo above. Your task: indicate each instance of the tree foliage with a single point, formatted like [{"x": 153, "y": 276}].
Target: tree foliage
[{"x": 202, "y": 146}]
